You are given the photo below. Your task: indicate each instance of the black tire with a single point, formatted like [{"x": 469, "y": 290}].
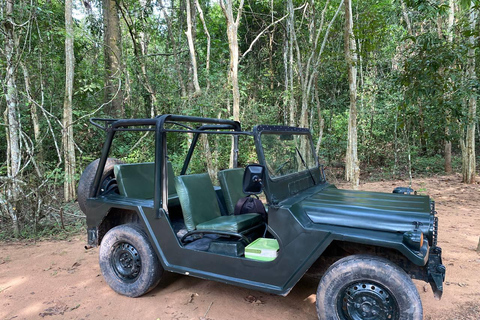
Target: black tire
[
  {"x": 128, "y": 262},
  {"x": 367, "y": 287},
  {"x": 85, "y": 184}
]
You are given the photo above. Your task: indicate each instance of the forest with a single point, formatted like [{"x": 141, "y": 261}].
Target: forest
[{"x": 388, "y": 88}]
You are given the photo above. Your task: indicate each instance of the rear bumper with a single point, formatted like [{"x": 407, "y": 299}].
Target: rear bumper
[{"x": 436, "y": 271}]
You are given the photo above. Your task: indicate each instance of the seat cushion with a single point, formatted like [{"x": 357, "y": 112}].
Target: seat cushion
[
  {"x": 197, "y": 198},
  {"x": 231, "y": 181},
  {"x": 231, "y": 223}
]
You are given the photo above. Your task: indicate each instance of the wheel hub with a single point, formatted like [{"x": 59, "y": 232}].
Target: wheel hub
[
  {"x": 126, "y": 262},
  {"x": 367, "y": 300}
]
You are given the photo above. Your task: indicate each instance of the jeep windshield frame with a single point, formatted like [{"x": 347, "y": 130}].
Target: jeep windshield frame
[{"x": 288, "y": 155}]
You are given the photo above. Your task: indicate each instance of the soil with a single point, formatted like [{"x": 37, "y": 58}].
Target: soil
[{"x": 62, "y": 280}]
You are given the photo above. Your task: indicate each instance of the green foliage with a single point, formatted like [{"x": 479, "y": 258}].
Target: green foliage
[{"x": 412, "y": 88}]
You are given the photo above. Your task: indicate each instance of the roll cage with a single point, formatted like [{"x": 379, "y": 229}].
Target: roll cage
[{"x": 158, "y": 126}]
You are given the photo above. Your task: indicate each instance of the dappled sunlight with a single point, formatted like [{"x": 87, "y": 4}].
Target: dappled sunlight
[
  {"x": 311, "y": 299},
  {"x": 31, "y": 311},
  {"x": 6, "y": 287},
  {"x": 86, "y": 282},
  {"x": 11, "y": 283}
]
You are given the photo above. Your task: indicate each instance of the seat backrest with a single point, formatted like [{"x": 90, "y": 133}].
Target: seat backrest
[
  {"x": 137, "y": 180},
  {"x": 197, "y": 198},
  {"x": 231, "y": 181}
]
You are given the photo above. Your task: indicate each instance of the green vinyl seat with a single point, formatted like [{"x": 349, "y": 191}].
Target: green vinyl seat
[
  {"x": 232, "y": 223},
  {"x": 201, "y": 211},
  {"x": 137, "y": 180},
  {"x": 231, "y": 181}
]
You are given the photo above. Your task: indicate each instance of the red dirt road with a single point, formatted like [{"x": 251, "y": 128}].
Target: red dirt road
[{"x": 61, "y": 280}]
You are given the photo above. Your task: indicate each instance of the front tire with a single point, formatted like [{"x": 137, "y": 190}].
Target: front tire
[
  {"x": 128, "y": 262},
  {"x": 367, "y": 287}
]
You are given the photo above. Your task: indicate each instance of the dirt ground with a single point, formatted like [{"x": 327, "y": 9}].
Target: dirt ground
[{"x": 62, "y": 280}]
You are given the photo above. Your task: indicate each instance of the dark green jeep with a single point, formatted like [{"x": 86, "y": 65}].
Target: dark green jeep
[{"x": 366, "y": 245}]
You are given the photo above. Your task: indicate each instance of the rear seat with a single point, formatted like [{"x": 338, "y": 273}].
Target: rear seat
[{"x": 137, "y": 180}]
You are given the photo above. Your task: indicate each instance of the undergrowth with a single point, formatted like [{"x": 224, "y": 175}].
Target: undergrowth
[{"x": 51, "y": 226}]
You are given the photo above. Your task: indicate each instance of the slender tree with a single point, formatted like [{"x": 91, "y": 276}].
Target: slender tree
[
  {"x": 232, "y": 33},
  {"x": 468, "y": 143},
  {"x": 140, "y": 46},
  {"x": 205, "y": 29},
  {"x": 67, "y": 134},
  {"x": 12, "y": 116},
  {"x": 113, "y": 59},
  {"x": 191, "y": 47},
  {"x": 448, "y": 142},
  {"x": 175, "y": 52},
  {"x": 352, "y": 170}
]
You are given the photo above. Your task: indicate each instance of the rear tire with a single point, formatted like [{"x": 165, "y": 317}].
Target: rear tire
[
  {"x": 128, "y": 262},
  {"x": 85, "y": 184},
  {"x": 367, "y": 287}
]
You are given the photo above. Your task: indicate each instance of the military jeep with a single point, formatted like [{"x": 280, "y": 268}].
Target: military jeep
[{"x": 147, "y": 219}]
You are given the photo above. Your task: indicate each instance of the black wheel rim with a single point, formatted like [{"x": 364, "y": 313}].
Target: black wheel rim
[
  {"x": 126, "y": 262},
  {"x": 108, "y": 183},
  {"x": 367, "y": 300}
]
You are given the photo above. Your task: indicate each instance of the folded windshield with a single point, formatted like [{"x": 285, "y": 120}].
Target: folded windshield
[{"x": 287, "y": 153}]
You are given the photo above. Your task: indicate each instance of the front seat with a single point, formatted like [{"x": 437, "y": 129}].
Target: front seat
[{"x": 202, "y": 214}]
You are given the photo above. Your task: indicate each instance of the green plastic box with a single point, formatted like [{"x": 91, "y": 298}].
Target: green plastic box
[{"x": 262, "y": 249}]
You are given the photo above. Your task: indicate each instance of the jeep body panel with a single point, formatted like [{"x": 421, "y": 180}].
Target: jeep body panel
[
  {"x": 299, "y": 249},
  {"x": 301, "y": 242}
]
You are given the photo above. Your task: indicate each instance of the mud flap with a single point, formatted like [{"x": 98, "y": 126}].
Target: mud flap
[
  {"x": 92, "y": 241},
  {"x": 436, "y": 272}
]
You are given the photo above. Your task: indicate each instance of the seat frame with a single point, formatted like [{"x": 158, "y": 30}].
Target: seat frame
[{"x": 241, "y": 235}]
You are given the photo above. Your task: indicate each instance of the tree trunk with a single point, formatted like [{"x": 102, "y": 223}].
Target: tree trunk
[
  {"x": 34, "y": 115},
  {"x": 352, "y": 170},
  {"x": 421, "y": 129},
  {"x": 173, "y": 43},
  {"x": 232, "y": 34},
  {"x": 321, "y": 124},
  {"x": 395, "y": 143},
  {"x": 289, "y": 63},
  {"x": 448, "y": 142},
  {"x": 205, "y": 29},
  {"x": 13, "y": 129},
  {"x": 191, "y": 47},
  {"x": 468, "y": 148},
  {"x": 307, "y": 67},
  {"x": 113, "y": 60},
  {"x": 140, "y": 45},
  {"x": 209, "y": 159},
  {"x": 407, "y": 19},
  {"x": 67, "y": 134},
  {"x": 448, "y": 155}
]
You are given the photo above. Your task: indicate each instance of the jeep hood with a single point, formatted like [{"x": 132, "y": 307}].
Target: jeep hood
[{"x": 389, "y": 212}]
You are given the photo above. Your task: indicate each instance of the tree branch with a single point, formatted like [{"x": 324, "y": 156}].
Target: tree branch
[{"x": 259, "y": 35}]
